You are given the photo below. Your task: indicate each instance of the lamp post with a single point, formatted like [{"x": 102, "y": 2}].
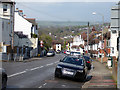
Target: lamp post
[
  {"x": 94, "y": 13},
  {"x": 88, "y": 36}
]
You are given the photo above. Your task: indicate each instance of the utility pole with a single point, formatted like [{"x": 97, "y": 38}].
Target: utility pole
[
  {"x": 102, "y": 39},
  {"x": 118, "y": 66},
  {"x": 12, "y": 46},
  {"x": 88, "y": 36},
  {"x": 118, "y": 63}
]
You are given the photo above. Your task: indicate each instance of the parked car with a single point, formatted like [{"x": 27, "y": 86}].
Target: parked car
[
  {"x": 75, "y": 53},
  {"x": 64, "y": 52},
  {"x": 3, "y": 77},
  {"x": 50, "y": 53},
  {"x": 73, "y": 67},
  {"x": 67, "y": 53},
  {"x": 88, "y": 61}
]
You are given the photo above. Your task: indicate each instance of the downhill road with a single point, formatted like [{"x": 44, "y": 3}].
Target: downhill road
[{"x": 39, "y": 73}]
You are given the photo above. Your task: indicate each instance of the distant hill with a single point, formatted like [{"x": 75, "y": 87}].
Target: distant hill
[{"x": 60, "y": 23}]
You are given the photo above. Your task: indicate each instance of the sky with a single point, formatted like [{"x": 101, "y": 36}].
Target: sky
[
  {"x": 67, "y": 11},
  {"x": 66, "y": 0}
]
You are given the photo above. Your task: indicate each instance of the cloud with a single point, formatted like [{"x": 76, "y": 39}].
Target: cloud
[{"x": 66, "y": 0}]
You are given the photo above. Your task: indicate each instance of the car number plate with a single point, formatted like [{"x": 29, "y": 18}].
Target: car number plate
[{"x": 67, "y": 72}]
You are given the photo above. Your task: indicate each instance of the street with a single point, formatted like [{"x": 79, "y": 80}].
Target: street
[{"x": 40, "y": 74}]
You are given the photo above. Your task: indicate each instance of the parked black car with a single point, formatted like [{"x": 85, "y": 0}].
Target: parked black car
[
  {"x": 3, "y": 79},
  {"x": 73, "y": 67},
  {"x": 88, "y": 61}
]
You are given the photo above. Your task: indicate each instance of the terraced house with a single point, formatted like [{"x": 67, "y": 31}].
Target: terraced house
[{"x": 6, "y": 27}]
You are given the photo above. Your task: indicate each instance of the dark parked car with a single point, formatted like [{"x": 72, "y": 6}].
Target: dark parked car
[
  {"x": 3, "y": 79},
  {"x": 88, "y": 61},
  {"x": 73, "y": 67},
  {"x": 50, "y": 53}
]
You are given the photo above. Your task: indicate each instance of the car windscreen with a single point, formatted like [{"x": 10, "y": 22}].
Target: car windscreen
[
  {"x": 86, "y": 57},
  {"x": 73, "y": 60},
  {"x": 78, "y": 52},
  {"x": 75, "y": 52}
]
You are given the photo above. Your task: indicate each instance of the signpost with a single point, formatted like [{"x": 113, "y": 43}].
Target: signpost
[{"x": 41, "y": 43}]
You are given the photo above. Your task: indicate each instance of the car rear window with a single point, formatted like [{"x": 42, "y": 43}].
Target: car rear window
[{"x": 73, "y": 60}]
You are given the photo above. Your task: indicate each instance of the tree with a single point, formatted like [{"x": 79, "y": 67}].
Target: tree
[{"x": 47, "y": 41}]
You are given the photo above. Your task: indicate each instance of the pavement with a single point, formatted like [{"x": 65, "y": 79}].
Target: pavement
[{"x": 101, "y": 77}]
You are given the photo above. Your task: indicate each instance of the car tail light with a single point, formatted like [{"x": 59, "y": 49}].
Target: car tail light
[{"x": 88, "y": 61}]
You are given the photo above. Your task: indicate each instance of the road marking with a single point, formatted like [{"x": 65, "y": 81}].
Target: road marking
[
  {"x": 56, "y": 62},
  {"x": 63, "y": 85},
  {"x": 49, "y": 64},
  {"x": 16, "y": 74},
  {"x": 41, "y": 66},
  {"x": 40, "y": 87},
  {"x": 34, "y": 68},
  {"x": 44, "y": 84},
  {"x": 30, "y": 70}
]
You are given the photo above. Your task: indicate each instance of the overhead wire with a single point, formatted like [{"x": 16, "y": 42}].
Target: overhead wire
[{"x": 44, "y": 13}]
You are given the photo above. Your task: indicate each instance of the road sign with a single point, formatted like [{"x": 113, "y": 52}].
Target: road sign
[{"x": 41, "y": 42}]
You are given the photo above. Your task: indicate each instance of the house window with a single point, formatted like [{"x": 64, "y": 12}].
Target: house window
[
  {"x": 113, "y": 50},
  {"x": 2, "y": 25},
  {"x": 108, "y": 43},
  {"x": 4, "y": 7}
]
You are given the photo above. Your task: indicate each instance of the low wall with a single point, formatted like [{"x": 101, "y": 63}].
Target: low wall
[
  {"x": 3, "y": 56},
  {"x": 114, "y": 70}
]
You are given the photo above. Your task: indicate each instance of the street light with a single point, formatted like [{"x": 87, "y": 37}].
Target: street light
[{"x": 94, "y": 13}]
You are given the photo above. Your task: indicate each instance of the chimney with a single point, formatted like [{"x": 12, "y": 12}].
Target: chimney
[
  {"x": 17, "y": 9},
  {"x": 24, "y": 16},
  {"x": 21, "y": 13}
]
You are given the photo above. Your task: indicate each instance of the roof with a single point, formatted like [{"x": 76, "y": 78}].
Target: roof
[
  {"x": 7, "y": 1},
  {"x": 20, "y": 35},
  {"x": 74, "y": 46},
  {"x": 31, "y": 20},
  {"x": 56, "y": 42},
  {"x": 82, "y": 46},
  {"x": 84, "y": 36}
]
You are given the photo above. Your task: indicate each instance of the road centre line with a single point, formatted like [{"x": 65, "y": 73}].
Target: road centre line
[
  {"x": 26, "y": 70},
  {"x": 56, "y": 62},
  {"x": 36, "y": 68},
  {"x": 42, "y": 85},
  {"x": 49, "y": 64},
  {"x": 17, "y": 74}
]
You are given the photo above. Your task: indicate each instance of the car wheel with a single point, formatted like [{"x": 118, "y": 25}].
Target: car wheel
[
  {"x": 83, "y": 79},
  {"x": 4, "y": 83},
  {"x": 59, "y": 75},
  {"x": 89, "y": 68}
]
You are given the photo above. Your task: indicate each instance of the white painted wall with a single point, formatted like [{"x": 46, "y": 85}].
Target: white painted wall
[
  {"x": 22, "y": 24},
  {"x": 113, "y": 44},
  {"x": 31, "y": 42},
  {"x": 58, "y": 47}
]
